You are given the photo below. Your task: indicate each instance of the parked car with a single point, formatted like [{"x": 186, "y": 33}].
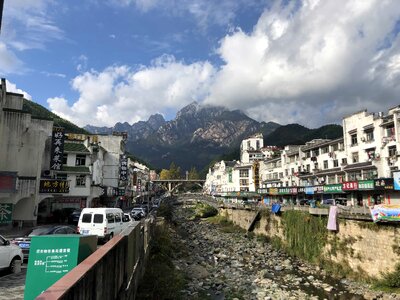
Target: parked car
[
  {"x": 103, "y": 222},
  {"x": 25, "y": 242},
  {"x": 73, "y": 218},
  {"x": 138, "y": 212},
  {"x": 9, "y": 253}
]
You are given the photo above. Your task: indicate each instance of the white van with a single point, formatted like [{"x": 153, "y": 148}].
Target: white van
[{"x": 103, "y": 222}]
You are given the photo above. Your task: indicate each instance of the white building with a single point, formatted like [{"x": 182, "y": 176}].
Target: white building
[
  {"x": 23, "y": 141},
  {"x": 360, "y": 166}
]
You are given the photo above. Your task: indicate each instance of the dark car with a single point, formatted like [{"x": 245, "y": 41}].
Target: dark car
[
  {"x": 73, "y": 218},
  {"x": 25, "y": 242}
]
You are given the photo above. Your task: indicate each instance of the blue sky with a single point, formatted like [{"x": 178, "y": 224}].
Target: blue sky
[{"x": 99, "y": 62}]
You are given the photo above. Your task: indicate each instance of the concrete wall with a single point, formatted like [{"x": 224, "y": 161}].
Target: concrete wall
[
  {"x": 111, "y": 272},
  {"x": 366, "y": 248}
]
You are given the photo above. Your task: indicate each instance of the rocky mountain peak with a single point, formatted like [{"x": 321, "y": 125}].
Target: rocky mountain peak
[
  {"x": 190, "y": 109},
  {"x": 156, "y": 121}
]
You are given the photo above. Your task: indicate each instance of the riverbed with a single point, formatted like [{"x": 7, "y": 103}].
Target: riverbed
[{"x": 228, "y": 263}]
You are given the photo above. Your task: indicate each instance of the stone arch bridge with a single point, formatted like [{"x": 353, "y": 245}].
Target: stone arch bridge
[{"x": 172, "y": 184}]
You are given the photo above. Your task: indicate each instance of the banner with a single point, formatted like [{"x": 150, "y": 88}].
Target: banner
[
  {"x": 384, "y": 184},
  {"x": 366, "y": 185},
  {"x": 309, "y": 190},
  {"x": 385, "y": 212},
  {"x": 333, "y": 188},
  {"x": 123, "y": 167},
  {"x": 57, "y": 148},
  {"x": 53, "y": 186},
  {"x": 396, "y": 180},
  {"x": 350, "y": 186}
]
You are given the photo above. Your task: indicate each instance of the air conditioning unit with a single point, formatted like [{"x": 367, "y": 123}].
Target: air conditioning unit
[{"x": 363, "y": 139}]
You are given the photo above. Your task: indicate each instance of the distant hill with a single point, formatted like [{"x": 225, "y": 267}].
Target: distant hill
[
  {"x": 41, "y": 112},
  {"x": 295, "y": 134}
]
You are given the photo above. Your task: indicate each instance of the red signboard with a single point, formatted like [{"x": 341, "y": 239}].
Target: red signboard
[
  {"x": 8, "y": 182},
  {"x": 350, "y": 186}
]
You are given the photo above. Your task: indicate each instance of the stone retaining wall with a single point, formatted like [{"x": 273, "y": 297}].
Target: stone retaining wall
[{"x": 366, "y": 248}]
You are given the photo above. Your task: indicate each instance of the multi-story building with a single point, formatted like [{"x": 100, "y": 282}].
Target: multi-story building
[
  {"x": 360, "y": 166},
  {"x": 24, "y": 142}
]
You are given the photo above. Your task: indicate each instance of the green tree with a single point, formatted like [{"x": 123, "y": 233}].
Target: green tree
[
  {"x": 174, "y": 171},
  {"x": 164, "y": 174},
  {"x": 193, "y": 174}
]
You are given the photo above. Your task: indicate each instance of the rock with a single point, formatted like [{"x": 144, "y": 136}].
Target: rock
[
  {"x": 197, "y": 271},
  {"x": 310, "y": 277},
  {"x": 278, "y": 268}
]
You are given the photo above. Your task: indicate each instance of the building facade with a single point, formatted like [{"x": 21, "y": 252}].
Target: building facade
[{"x": 361, "y": 167}]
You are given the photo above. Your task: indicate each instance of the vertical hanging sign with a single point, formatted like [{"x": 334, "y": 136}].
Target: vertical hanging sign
[
  {"x": 123, "y": 167},
  {"x": 57, "y": 148}
]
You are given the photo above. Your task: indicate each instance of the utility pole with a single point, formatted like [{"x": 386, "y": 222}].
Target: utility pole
[{"x": 1, "y": 11}]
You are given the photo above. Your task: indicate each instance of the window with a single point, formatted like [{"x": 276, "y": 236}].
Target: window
[
  {"x": 344, "y": 161},
  {"x": 244, "y": 173},
  {"x": 292, "y": 171},
  {"x": 87, "y": 218},
  {"x": 98, "y": 219},
  {"x": 370, "y": 153},
  {"x": 62, "y": 176},
  {"x": 390, "y": 131},
  {"x": 335, "y": 163},
  {"x": 80, "y": 160},
  {"x": 308, "y": 168},
  {"x": 335, "y": 147},
  {"x": 80, "y": 180},
  {"x": 110, "y": 218},
  {"x": 369, "y": 135},
  {"x": 65, "y": 158},
  {"x": 370, "y": 174},
  {"x": 331, "y": 179},
  {"x": 354, "y": 157},
  {"x": 325, "y": 150},
  {"x": 325, "y": 164},
  {"x": 117, "y": 217},
  {"x": 257, "y": 144},
  {"x": 392, "y": 151},
  {"x": 248, "y": 144},
  {"x": 355, "y": 176},
  {"x": 353, "y": 139},
  {"x": 286, "y": 172},
  {"x": 244, "y": 182}
]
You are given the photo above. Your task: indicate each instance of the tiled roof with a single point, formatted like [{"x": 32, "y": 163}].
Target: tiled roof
[
  {"x": 75, "y": 147},
  {"x": 75, "y": 169}
]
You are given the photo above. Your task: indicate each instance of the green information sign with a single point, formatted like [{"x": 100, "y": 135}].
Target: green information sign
[
  {"x": 366, "y": 185},
  {"x": 333, "y": 188},
  {"x": 6, "y": 213},
  {"x": 53, "y": 256}
]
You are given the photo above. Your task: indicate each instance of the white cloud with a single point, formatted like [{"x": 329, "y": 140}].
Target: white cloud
[
  {"x": 26, "y": 25},
  {"x": 311, "y": 64},
  {"x": 321, "y": 57},
  {"x": 121, "y": 94},
  {"x": 9, "y": 63},
  {"x": 12, "y": 87}
]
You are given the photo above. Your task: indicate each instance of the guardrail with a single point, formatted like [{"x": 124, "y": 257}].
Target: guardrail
[
  {"x": 112, "y": 272},
  {"x": 346, "y": 212}
]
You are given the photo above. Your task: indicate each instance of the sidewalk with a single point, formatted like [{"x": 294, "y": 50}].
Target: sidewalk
[{"x": 12, "y": 286}]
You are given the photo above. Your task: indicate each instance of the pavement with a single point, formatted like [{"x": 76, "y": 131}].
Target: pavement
[{"x": 12, "y": 286}]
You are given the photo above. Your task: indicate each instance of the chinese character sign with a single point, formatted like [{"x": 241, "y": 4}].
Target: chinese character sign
[
  {"x": 57, "y": 148},
  {"x": 123, "y": 167},
  {"x": 54, "y": 186},
  {"x": 5, "y": 213}
]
